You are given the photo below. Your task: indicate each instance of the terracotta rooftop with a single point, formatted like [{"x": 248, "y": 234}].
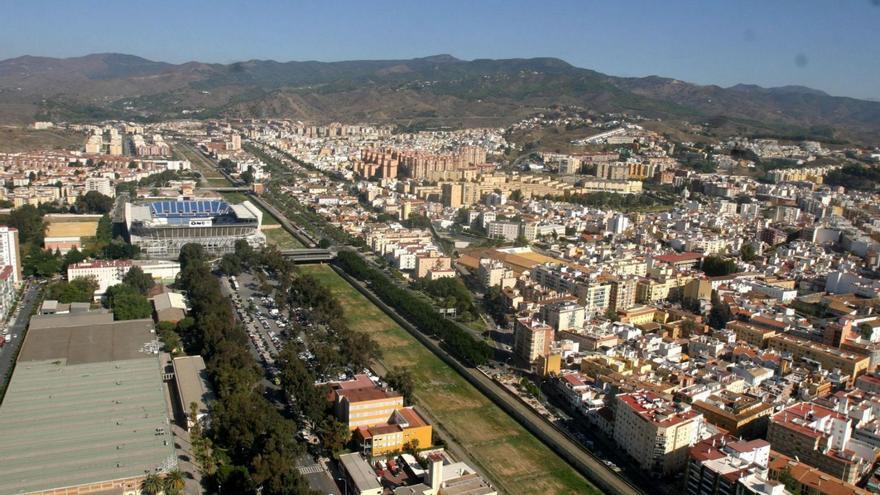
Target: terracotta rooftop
[
  {"x": 654, "y": 408},
  {"x": 804, "y": 417},
  {"x": 101, "y": 264},
  {"x": 412, "y": 417},
  {"x": 365, "y": 394},
  {"x": 814, "y": 480},
  {"x": 573, "y": 379},
  {"x": 678, "y": 257}
]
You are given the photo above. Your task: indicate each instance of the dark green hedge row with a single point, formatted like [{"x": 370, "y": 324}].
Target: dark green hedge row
[{"x": 419, "y": 312}]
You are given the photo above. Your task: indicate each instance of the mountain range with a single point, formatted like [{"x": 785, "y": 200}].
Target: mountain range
[{"x": 430, "y": 91}]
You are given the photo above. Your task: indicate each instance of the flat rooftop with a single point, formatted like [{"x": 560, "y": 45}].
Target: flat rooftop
[
  {"x": 192, "y": 383},
  {"x": 85, "y": 338},
  {"x": 360, "y": 473},
  {"x": 85, "y": 404}
]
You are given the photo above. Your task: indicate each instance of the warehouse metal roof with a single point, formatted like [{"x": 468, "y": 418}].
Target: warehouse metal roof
[
  {"x": 72, "y": 416},
  {"x": 86, "y": 337}
]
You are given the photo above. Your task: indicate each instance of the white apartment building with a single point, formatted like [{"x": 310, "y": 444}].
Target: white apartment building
[
  {"x": 508, "y": 231},
  {"x": 656, "y": 433},
  {"x": 9, "y": 251},
  {"x": 493, "y": 273},
  {"x": 618, "y": 224},
  {"x": 102, "y": 185},
  {"x": 597, "y": 298},
  {"x": 7, "y": 291},
  {"x": 595, "y": 295},
  {"x": 564, "y": 316}
]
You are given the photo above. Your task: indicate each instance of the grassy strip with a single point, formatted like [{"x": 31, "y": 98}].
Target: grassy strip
[
  {"x": 282, "y": 239},
  {"x": 513, "y": 458}
]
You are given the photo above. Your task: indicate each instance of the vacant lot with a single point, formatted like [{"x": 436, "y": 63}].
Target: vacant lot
[
  {"x": 281, "y": 238},
  {"x": 517, "y": 461},
  {"x": 234, "y": 197},
  {"x": 15, "y": 139}
]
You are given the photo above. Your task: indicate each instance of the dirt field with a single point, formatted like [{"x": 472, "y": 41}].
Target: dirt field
[{"x": 14, "y": 139}]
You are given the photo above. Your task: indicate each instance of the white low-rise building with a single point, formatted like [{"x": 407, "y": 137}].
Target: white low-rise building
[{"x": 108, "y": 273}]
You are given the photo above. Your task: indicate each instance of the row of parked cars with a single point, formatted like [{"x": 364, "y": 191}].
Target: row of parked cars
[{"x": 266, "y": 349}]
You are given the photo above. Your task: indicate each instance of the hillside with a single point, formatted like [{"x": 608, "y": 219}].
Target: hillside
[{"x": 433, "y": 91}]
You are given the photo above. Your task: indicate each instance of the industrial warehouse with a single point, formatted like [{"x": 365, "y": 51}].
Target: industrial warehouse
[
  {"x": 160, "y": 228},
  {"x": 85, "y": 410}
]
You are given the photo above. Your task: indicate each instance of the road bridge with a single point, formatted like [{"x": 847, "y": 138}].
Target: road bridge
[
  {"x": 309, "y": 255},
  {"x": 241, "y": 189}
]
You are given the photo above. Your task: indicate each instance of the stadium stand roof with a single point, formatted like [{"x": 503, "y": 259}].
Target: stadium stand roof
[{"x": 196, "y": 208}]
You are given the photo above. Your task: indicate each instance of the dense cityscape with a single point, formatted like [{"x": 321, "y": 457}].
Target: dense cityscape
[
  {"x": 635, "y": 309},
  {"x": 436, "y": 276}
]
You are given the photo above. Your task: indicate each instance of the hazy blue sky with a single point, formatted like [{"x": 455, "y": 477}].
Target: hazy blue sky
[{"x": 833, "y": 45}]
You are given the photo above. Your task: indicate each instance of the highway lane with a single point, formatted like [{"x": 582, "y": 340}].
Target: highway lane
[{"x": 17, "y": 327}]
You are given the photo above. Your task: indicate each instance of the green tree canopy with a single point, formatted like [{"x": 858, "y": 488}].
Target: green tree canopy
[
  {"x": 401, "y": 380},
  {"x": 76, "y": 290},
  {"x": 174, "y": 482},
  {"x": 227, "y": 165},
  {"x": 747, "y": 253},
  {"x": 94, "y": 202},
  {"x": 104, "y": 234},
  {"x": 127, "y": 303},
  {"x": 138, "y": 280},
  {"x": 248, "y": 175},
  {"x": 452, "y": 293},
  {"x": 118, "y": 249},
  {"x": 495, "y": 304},
  {"x": 152, "y": 484},
  {"x": 191, "y": 254},
  {"x": 334, "y": 435},
  {"x": 72, "y": 257},
  {"x": 41, "y": 262},
  {"x": 230, "y": 264},
  {"x": 716, "y": 266},
  {"x": 29, "y": 221},
  {"x": 416, "y": 221}
]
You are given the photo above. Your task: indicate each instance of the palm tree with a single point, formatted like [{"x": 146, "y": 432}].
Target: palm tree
[
  {"x": 174, "y": 482},
  {"x": 152, "y": 485}
]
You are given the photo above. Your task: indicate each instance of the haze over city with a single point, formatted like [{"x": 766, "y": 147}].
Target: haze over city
[{"x": 449, "y": 248}]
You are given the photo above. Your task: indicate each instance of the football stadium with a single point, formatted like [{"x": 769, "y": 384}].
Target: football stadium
[{"x": 161, "y": 227}]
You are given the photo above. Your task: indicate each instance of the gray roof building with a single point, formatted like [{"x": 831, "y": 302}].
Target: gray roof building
[
  {"x": 85, "y": 407},
  {"x": 191, "y": 377},
  {"x": 360, "y": 475}
]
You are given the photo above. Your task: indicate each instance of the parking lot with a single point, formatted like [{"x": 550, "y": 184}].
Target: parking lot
[
  {"x": 265, "y": 325},
  {"x": 269, "y": 329}
]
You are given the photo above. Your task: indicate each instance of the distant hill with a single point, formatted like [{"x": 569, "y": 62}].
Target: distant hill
[{"x": 432, "y": 90}]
